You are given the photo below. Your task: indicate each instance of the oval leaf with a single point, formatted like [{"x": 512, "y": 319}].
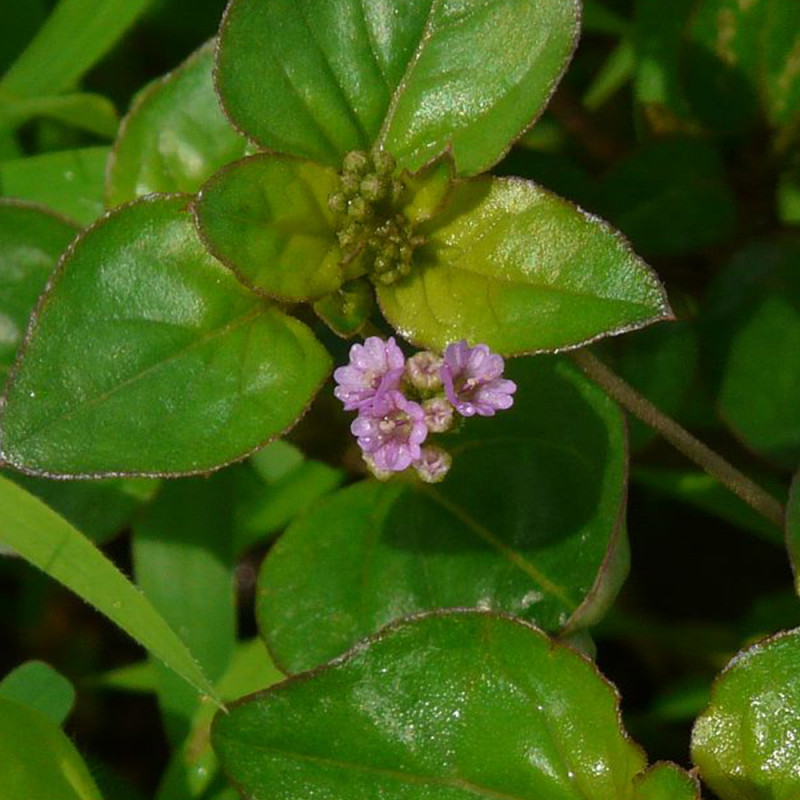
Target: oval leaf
[
  {"x": 747, "y": 742},
  {"x": 522, "y": 270},
  {"x": 318, "y": 78},
  {"x": 175, "y": 136},
  {"x": 446, "y": 707},
  {"x": 148, "y": 357},
  {"x": 38, "y": 759},
  {"x": 375, "y": 552},
  {"x": 31, "y": 240},
  {"x": 267, "y": 218}
]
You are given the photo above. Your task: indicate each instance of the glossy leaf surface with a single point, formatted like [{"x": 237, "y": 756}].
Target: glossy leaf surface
[
  {"x": 522, "y": 270},
  {"x": 317, "y": 79},
  {"x": 31, "y": 240},
  {"x": 751, "y": 337},
  {"x": 374, "y": 552},
  {"x": 444, "y": 707},
  {"x": 38, "y": 686},
  {"x": 175, "y": 135},
  {"x": 267, "y": 218},
  {"x": 44, "y": 539},
  {"x": 747, "y": 743},
  {"x": 38, "y": 759},
  {"x": 186, "y": 369},
  {"x": 69, "y": 182}
]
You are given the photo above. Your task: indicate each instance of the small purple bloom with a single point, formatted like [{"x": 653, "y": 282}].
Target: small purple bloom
[
  {"x": 473, "y": 381},
  {"x": 390, "y": 431},
  {"x": 375, "y": 367}
]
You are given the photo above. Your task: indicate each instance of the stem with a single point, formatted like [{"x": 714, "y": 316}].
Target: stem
[{"x": 680, "y": 438}]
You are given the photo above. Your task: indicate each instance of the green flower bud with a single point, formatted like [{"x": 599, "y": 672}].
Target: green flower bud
[
  {"x": 337, "y": 203},
  {"x": 359, "y": 209},
  {"x": 357, "y": 161},
  {"x": 372, "y": 188},
  {"x": 384, "y": 162}
]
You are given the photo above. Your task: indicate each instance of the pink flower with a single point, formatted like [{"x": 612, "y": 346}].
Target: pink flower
[
  {"x": 375, "y": 368},
  {"x": 390, "y": 431},
  {"x": 473, "y": 381}
]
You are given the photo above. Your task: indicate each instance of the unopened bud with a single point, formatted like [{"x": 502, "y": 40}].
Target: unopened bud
[
  {"x": 384, "y": 162},
  {"x": 423, "y": 371},
  {"x": 337, "y": 202},
  {"x": 380, "y": 474},
  {"x": 356, "y": 161},
  {"x": 359, "y": 209},
  {"x": 433, "y": 464},
  {"x": 372, "y": 188},
  {"x": 350, "y": 184},
  {"x": 438, "y": 414}
]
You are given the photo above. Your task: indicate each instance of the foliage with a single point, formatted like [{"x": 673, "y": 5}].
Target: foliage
[{"x": 177, "y": 286}]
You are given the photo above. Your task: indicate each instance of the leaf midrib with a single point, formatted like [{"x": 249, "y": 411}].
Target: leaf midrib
[{"x": 406, "y": 777}]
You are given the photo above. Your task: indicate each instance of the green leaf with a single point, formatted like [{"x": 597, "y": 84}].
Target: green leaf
[
  {"x": 793, "y": 532},
  {"x": 446, "y": 707},
  {"x": 666, "y": 782},
  {"x": 38, "y": 759},
  {"x": 347, "y": 310},
  {"x": 31, "y": 240},
  {"x": 194, "y": 765},
  {"x": 670, "y": 198},
  {"x": 87, "y": 112},
  {"x": 70, "y": 181},
  {"x": 268, "y": 500},
  {"x": 183, "y": 561},
  {"x": 657, "y": 32},
  {"x": 750, "y": 333},
  {"x": 317, "y": 78},
  {"x": 555, "y": 556},
  {"x": 76, "y": 35},
  {"x": 522, "y": 270},
  {"x": 44, "y": 539},
  {"x": 747, "y": 55},
  {"x": 98, "y": 509},
  {"x": 38, "y": 686},
  {"x": 139, "y": 678},
  {"x": 267, "y": 218},
  {"x": 747, "y": 742},
  {"x": 697, "y": 488},
  {"x": 174, "y": 136},
  {"x": 186, "y": 370},
  {"x": 661, "y": 363}
]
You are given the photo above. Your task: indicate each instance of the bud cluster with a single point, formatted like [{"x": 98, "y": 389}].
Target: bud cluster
[
  {"x": 369, "y": 226},
  {"x": 401, "y": 402}
]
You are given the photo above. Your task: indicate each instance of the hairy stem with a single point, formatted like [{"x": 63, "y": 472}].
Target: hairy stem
[{"x": 680, "y": 438}]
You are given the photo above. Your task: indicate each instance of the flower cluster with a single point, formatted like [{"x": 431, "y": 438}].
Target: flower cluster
[{"x": 400, "y": 402}]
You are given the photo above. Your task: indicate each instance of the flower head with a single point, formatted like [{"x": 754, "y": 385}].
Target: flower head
[
  {"x": 390, "y": 430},
  {"x": 375, "y": 367},
  {"x": 473, "y": 381}
]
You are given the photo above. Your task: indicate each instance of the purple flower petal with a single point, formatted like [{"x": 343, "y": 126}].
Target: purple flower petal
[
  {"x": 375, "y": 367},
  {"x": 390, "y": 430},
  {"x": 472, "y": 380}
]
